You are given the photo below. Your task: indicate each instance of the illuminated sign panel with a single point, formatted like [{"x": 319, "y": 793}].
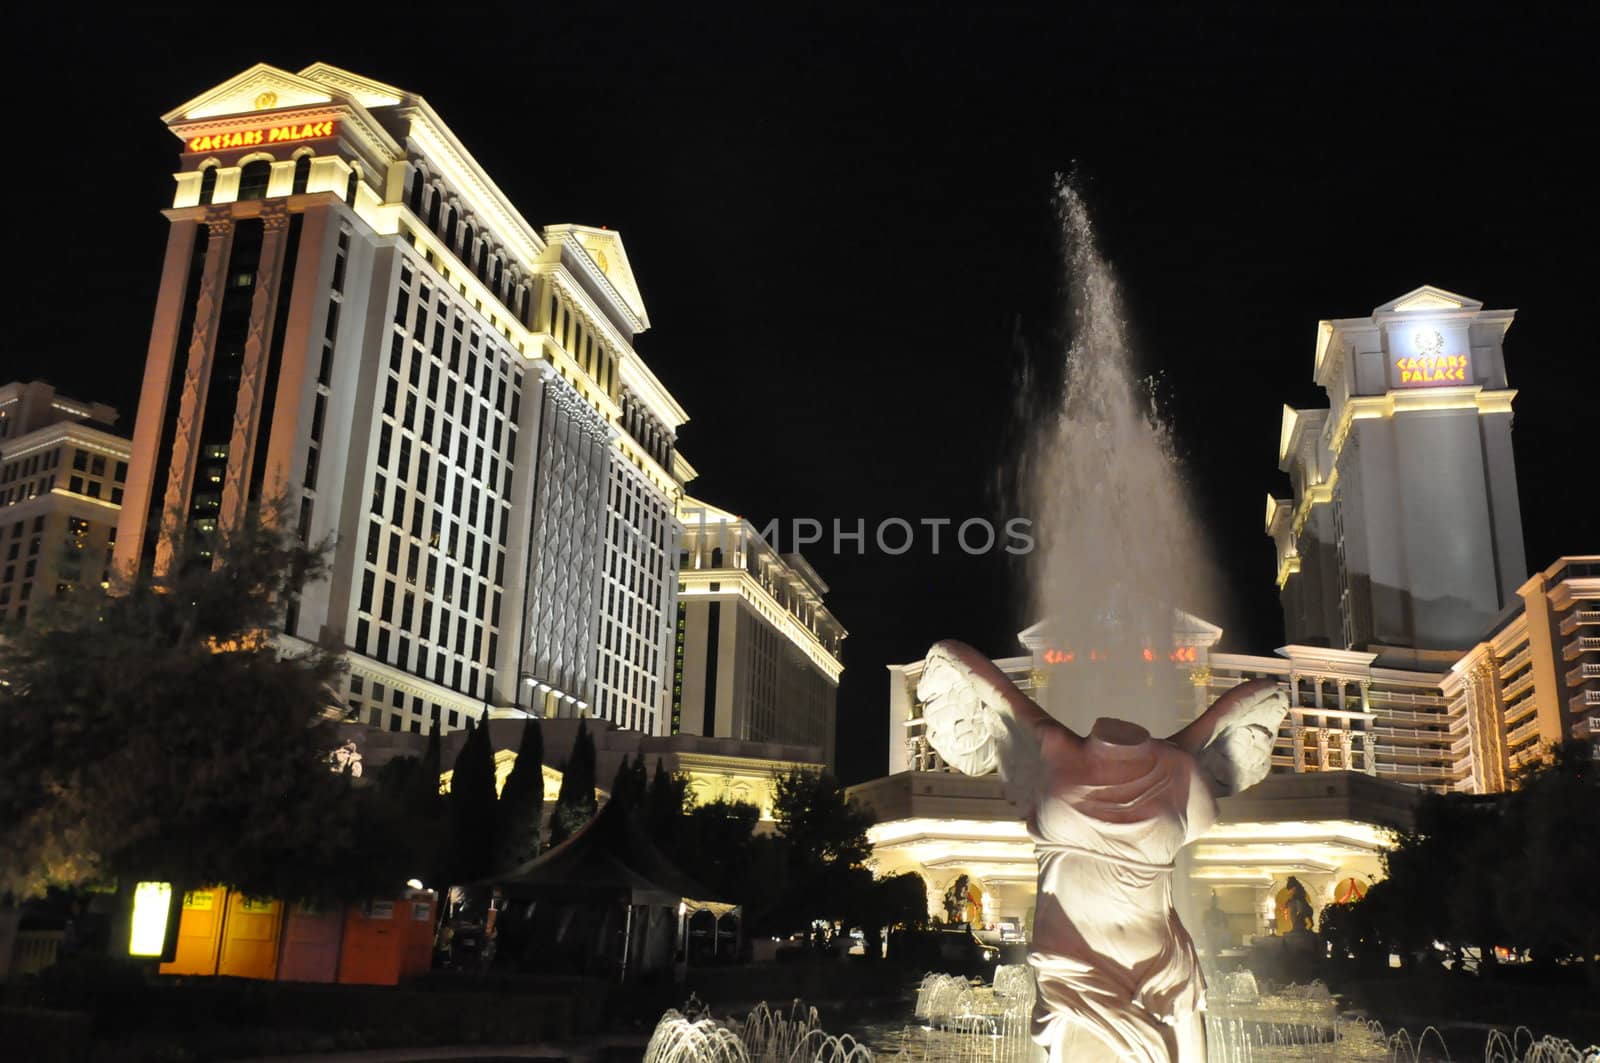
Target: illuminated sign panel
[
  {"x": 250, "y": 138},
  {"x": 1429, "y": 362},
  {"x": 151, "y": 901}
]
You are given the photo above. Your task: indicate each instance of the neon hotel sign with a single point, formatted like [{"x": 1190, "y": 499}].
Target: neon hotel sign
[
  {"x": 1430, "y": 366},
  {"x": 249, "y": 138}
]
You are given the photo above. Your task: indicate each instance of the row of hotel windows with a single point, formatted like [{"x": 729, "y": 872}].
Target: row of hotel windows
[
  {"x": 371, "y": 702},
  {"x": 19, "y": 574},
  {"x": 256, "y": 176},
  {"x": 488, "y": 262},
  {"x": 90, "y": 477},
  {"x": 628, "y": 663},
  {"x": 319, "y": 410},
  {"x": 459, "y": 480}
]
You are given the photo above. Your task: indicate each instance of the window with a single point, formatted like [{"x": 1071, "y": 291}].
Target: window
[
  {"x": 208, "y": 185},
  {"x": 350, "y": 187},
  {"x": 302, "y": 174},
  {"x": 254, "y": 178}
]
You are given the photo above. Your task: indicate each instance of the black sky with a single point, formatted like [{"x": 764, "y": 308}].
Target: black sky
[{"x": 843, "y": 230}]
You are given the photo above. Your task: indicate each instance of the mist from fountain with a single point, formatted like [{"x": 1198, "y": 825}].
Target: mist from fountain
[{"x": 1117, "y": 549}]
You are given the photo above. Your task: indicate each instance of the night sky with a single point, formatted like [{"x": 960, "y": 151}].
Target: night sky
[{"x": 844, "y": 232}]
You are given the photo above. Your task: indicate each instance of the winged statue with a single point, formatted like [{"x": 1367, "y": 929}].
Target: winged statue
[{"x": 1118, "y": 976}]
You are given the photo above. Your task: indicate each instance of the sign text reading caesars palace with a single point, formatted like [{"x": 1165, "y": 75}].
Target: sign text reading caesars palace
[
  {"x": 1433, "y": 369},
  {"x": 249, "y": 138},
  {"x": 1430, "y": 365}
]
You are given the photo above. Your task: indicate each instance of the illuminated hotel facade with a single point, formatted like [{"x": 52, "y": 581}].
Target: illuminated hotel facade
[
  {"x": 1534, "y": 679},
  {"x": 1404, "y": 529},
  {"x": 63, "y": 472},
  {"x": 355, "y": 320},
  {"x": 757, "y": 652}
]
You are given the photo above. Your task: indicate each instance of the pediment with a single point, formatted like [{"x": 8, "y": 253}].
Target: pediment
[
  {"x": 1187, "y": 630},
  {"x": 363, "y": 90},
  {"x": 605, "y": 249},
  {"x": 1426, "y": 298},
  {"x": 260, "y": 88}
]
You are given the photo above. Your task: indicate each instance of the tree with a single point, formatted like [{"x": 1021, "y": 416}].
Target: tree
[
  {"x": 665, "y": 803},
  {"x": 472, "y": 808},
  {"x": 825, "y": 838},
  {"x": 575, "y": 801},
  {"x": 1513, "y": 870},
  {"x": 892, "y": 902},
  {"x": 521, "y": 804},
  {"x": 167, "y": 734},
  {"x": 1544, "y": 878},
  {"x": 715, "y": 842},
  {"x": 630, "y": 787}
]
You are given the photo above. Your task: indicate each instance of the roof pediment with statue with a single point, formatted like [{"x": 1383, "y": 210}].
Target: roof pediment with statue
[
  {"x": 264, "y": 102},
  {"x": 263, "y": 87},
  {"x": 600, "y": 255}
]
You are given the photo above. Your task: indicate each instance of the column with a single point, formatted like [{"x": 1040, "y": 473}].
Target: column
[
  {"x": 196, "y": 380},
  {"x": 1298, "y": 732},
  {"x": 252, "y": 380},
  {"x": 1322, "y": 749}
]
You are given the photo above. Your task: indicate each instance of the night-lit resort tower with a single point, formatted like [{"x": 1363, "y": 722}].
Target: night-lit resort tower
[
  {"x": 355, "y": 322},
  {"x": 1404, "y": 528}
]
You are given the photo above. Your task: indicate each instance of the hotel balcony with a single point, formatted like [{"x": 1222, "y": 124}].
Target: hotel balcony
[
  {"x": 1581, "y": 644},
  {"x": 1399, "y": 697},
  {"x": 1515, "y": 661},
  {"x": 1588, "y": 728},
  {"x": 1387, "y": 751},
  {"x": 1522, "y": 731},
  {"x": 1572, "y": 621},
  {"x": 1588, "y": 699},
  {"x": 1388, "y": 715},
  {"x": 1517, "y": 685},
  {"x": 1583, "y": 673},
  {"x": 1423, "y": 734}
]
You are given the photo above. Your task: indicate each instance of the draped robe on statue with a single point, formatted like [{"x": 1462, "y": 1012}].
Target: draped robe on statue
[{"x": 1118, "y": 977}]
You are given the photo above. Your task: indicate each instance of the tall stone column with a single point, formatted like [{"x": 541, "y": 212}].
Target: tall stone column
[
  {"x": 196, "y": 381},
  {"x": 252, "y": 379},
  {"x": 1298, "y": 733},
  {"x": 1486, "y": 722}
]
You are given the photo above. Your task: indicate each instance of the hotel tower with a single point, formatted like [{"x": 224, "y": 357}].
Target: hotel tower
[
  {"x": 354, "y": 321},
  {"x": 1404, "y": 529}
]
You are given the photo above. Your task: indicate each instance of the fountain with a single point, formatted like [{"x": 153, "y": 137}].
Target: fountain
[
  {"x": 767, "y": 1035},
  {"x": 1118, "y": 549},
  {"x": 1119, "y": 553}
]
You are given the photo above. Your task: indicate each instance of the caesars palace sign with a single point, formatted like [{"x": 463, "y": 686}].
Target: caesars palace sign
[
  {"x": 1429, "y": 365},
  {"x": 249, "y": 138}
]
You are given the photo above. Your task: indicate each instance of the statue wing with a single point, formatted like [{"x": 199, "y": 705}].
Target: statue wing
[
  {"x": 979, "y": 722},
  {"x": 1256, "y": 706}
]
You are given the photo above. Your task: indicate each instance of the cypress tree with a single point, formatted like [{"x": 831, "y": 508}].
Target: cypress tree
[
  {"x": 665, "y": 804},
  {"x": 522, "y": 801},
  {"x": 630, "y": 787},
  {"x": 472, "y": 808},
  {"x": 575, "y": 803}
]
